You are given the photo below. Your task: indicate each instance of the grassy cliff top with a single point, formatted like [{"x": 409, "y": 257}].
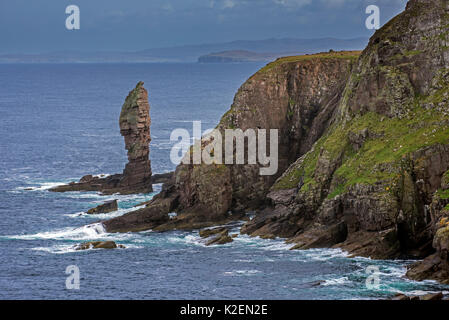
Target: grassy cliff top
[{"x": 323, "y": 55}]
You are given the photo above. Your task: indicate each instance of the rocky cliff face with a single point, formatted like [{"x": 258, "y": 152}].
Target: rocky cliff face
[
  {"x": 134, "y": 124},
  {"x": 296, "y": 95},
  {"x": 370, "y": 183},
  {"x": 363, "y": 155}
]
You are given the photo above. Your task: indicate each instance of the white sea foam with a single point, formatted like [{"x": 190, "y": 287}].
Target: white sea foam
[
  {"x": 58, "y": 249},
  {"x": 398, "y": 272},
  {"x": 324, "y": 254},
  {"x": 91, "y": 231},
  {"x": 336, "y": 281},
  {"x": 101, "y": 216},
  {"x": 61, "y": 249},
  {"x": 277, "y": 246},
  {"x": 241, "y": 272},
  {"x": 42, "y": 187},
  {"x": 188, "y": 239},
  {"x": 101, "y": 175}
]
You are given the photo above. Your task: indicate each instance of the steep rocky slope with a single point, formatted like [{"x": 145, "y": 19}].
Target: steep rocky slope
[
  {"x": 134, "y": 124},
  {"x": 373, "y": 184}
]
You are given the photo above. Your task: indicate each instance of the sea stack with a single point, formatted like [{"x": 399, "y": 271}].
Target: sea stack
[
  {"x": 135, "y": 124},
  {"x": 135, "y": 128}
]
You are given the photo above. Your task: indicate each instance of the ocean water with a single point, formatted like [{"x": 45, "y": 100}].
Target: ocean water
[{"x": 60, "y": 122}]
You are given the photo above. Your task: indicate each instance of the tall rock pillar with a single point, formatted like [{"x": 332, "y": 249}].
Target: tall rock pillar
[{"x": 135, "y": 128}]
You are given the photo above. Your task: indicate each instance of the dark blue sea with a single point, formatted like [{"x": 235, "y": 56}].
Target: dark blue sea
[{"x": 59, "y": 122}]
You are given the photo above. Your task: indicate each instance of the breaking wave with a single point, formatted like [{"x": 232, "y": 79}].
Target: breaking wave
[{"x": 91, "y": 231}]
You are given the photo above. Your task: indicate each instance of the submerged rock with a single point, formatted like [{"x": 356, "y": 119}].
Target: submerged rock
[
  {"x": 98, "y": 245},
  {"x": 220, "y": 238},
  {"x": 217, "y": 236},
  {"x": 426, "y": 297},
  {"x": 205, "y": 233},
  {"x": 432, "y": 296},
  {"x": 134, "y": 125},
  {"x": 106, "y": 207}
]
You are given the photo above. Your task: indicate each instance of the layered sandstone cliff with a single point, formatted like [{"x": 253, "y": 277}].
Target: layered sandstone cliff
[{"x": 134, "y": 125}]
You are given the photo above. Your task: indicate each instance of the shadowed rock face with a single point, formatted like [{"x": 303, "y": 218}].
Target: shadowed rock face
[
  {"x": 135, "y": 128},
  {"x": 106, "y": 207},
  {"x": 295, "y": 95}
]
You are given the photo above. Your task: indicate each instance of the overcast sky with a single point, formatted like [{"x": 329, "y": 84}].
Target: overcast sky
[{"x": 128, "y": 25}]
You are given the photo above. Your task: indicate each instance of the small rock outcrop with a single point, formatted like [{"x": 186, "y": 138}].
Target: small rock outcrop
[
  {"x": 162, "y": 177},
  {"x": 217, "y": 236},
  {"x": 205, "y": 233},
  {"x": 108, "y": 206},
  {"x": 98, "y": 245},
  {"x": 427, "y": 297},
  {"x": 134, "y": 124}
]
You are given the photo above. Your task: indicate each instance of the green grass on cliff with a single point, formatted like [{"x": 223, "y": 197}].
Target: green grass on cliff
[
  {"x": 443, "y": 194},
  {"x": 353, "y": 55},
  {"x": 446, "y": 177},
  {"x": 127, "y": 113},
  {"x": 227, "y": 119},
  {"x": 379, "y": 158}
]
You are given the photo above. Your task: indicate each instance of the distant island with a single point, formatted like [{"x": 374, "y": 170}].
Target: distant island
[
  {"x": 236, "y": 56},
  {"x": 234, "y": 51}
]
